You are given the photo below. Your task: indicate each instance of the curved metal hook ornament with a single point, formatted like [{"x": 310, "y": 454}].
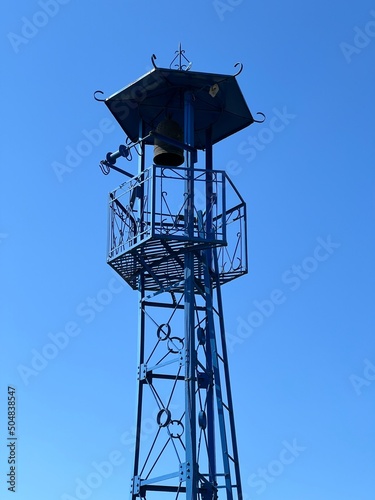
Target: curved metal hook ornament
[
  {"x": 104, "y": 167},
  {"x": 239, "y": 265},
  {"x": 262, "y": 114},
  {"x": 96, "y": 98},
  {"x": 240, "y": 70},
  {"x": 153, "y": 59}
]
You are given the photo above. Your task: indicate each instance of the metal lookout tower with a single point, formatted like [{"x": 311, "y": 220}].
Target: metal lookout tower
[{"x": 177, "y": 233}]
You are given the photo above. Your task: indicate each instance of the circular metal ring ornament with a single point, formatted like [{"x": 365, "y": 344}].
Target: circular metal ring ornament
[
  {"x": 202, "y": 419},
  {"x": 175, "y": 344},
  {"x": 163, "y": 417},
  {"x": 162, "y": 335},
  {"x": 201, "y": 336},
  {"x": 176, "y": 429}
]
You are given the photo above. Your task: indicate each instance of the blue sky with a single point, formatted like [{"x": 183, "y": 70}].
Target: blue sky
[{"x": 300, "y": 324}]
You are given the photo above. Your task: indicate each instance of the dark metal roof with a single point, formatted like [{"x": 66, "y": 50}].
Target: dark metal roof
[{"x": 160, "y": 94}]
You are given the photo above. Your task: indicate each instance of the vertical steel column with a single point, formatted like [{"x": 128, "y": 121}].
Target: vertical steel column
[
  {"x": 190, "y": 355},
  {"x": 211, "y": 345},
  {"x": 141, "y": 334},
  {"x": 209, "y": 326},
  {"x": 227, "y": 381},
  {"x": 212, "y": 273}
]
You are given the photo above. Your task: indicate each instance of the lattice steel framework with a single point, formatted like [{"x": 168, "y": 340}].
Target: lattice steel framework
[{"x": 177, "y": 234}]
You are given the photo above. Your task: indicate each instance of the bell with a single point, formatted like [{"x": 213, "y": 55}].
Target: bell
[{"x": 166, "y": 154}]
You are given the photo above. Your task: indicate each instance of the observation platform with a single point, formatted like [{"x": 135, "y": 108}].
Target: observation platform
[{"x": 148, "y": 230}]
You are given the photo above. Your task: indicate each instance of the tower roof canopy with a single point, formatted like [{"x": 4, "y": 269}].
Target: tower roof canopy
[{"x": 218, "y": 103}]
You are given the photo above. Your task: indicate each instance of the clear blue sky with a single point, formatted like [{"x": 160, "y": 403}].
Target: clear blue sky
[{"x": 303, "y": 370}]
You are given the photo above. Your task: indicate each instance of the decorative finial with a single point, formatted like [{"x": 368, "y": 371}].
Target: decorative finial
[{"x": 180, "y": 54}]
